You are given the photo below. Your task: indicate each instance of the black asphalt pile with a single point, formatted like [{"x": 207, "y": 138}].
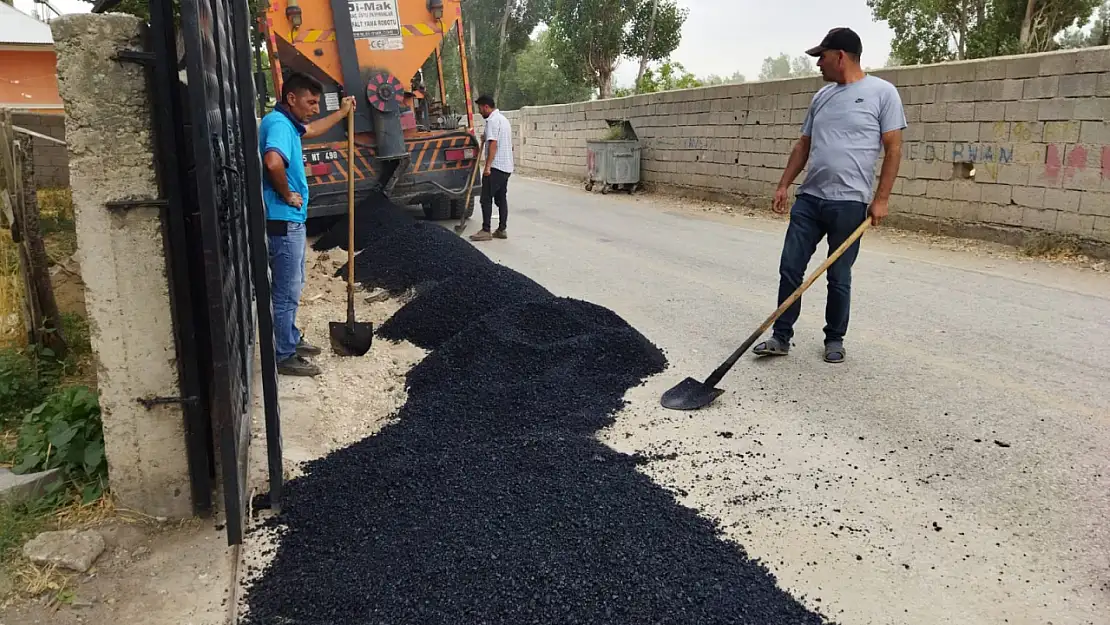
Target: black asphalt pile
[
  {"x": 488, "y": 500},
  {"x": 557, "y": 364},
  {"x": 512, "y": 531},
  {"x": 375, "y": 217},
  {"x": 442, "y": 311},
  {"x": 413, "y": 254}
]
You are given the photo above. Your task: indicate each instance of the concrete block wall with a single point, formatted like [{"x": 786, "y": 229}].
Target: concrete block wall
[
  {"x": 1033, "y": 128},
  {"x": 51, "y": 159}
]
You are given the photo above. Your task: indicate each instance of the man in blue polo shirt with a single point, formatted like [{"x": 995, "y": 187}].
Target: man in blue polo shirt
[{"x": 285, "y": 194}]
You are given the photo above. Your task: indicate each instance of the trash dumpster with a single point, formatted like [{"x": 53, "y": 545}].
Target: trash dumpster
[{"x": 613, "y": 164}]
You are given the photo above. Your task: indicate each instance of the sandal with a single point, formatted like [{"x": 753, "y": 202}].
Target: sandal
[
  {"x": 772, "y": 347},
  {"x": 834, "y": 352}
]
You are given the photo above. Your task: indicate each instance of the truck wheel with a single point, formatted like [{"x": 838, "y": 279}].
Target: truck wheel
[
  {"x": 458, "y": 207},
  {"x": 438, "y": 209}
]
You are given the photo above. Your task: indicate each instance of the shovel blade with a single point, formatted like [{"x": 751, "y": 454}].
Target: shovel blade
[
  {"x": 351, "y": 339},
  {"x": 689, "y": 394}
]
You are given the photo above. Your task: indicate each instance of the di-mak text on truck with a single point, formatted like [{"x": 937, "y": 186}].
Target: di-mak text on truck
[{"x": 411, "y": 146}]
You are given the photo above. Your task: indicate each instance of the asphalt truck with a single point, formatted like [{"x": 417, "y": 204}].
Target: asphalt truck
[{"x": 408, "y": 142}]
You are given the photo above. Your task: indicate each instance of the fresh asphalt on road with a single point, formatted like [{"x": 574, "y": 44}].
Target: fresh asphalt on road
[{"x": 955, "y": 469}]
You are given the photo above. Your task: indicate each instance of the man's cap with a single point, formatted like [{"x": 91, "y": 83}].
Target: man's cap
[
  {"x": 843, "y": 39},
  {"x": 484, "y": 99}
]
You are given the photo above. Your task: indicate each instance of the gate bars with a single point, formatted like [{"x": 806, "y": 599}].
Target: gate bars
[{"x": 211, "y": 176}]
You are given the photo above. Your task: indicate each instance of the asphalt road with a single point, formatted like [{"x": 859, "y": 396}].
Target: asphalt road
[{"x": 955, "y": 469}]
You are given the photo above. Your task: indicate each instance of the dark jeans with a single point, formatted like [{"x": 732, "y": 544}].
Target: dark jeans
[
  {"x": 812, "y": 218},
  {"x": 494, "y": 188}
]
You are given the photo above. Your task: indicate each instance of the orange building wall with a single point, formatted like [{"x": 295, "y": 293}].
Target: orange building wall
[{"x": 29, "y": 73}]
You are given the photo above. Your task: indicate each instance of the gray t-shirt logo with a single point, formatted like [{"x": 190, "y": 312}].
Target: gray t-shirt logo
[{"x": 845, "y": 124}]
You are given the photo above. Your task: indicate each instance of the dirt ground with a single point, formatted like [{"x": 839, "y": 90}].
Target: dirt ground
[
  {"x": 180, "y": 573},
  {"x": 150, "y": 573}
]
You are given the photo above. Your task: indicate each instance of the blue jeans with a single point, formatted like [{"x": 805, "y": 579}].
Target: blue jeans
[
  {"x": 286, "y": 282},
  {"x": 812, "y": 218}
]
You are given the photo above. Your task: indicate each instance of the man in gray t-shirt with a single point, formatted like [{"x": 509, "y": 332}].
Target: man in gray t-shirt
[{"x": 847, "y": 123}]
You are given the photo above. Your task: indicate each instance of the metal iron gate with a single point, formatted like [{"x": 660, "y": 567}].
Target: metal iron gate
[{"x": 211, "y": 178}]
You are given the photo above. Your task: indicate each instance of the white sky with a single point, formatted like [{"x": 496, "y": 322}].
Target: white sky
[{"x": 725, "y": 36}]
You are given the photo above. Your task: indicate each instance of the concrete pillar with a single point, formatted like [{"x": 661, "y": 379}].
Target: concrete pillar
[{"x": 123, "y": 263}]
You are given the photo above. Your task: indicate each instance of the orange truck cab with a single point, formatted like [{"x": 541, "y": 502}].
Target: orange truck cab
[{"x": 410, "y": 146}]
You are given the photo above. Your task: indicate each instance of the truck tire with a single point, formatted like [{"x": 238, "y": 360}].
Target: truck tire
[
  {"x": 458, "y": 207},
  {"x": 437, "y": 209}
]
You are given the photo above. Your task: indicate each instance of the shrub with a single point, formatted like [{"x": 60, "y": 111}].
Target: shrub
[
  {"x": 65, "y": 432},
  {"x": 21, "y": 386}
]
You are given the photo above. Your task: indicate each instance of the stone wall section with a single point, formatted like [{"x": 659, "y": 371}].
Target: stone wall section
[{"x": 51, "y": 159}]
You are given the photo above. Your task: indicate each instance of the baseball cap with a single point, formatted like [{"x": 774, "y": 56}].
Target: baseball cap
[
  {"x": 484, "y": 99},
  {"x": 843, "y": 39}
]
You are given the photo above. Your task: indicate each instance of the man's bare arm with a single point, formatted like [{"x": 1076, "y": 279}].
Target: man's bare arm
[
  {"x": 318, "y": 127},
  {"x": 892, "y": 159},
  {"x": 799, "y": 155},
  {"x": 275, "y": 169}
]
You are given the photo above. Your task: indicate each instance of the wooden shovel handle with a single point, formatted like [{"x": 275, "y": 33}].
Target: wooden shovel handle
[
  {"x": 716, "y": 376},
  {"x": 351, "y": 216}
]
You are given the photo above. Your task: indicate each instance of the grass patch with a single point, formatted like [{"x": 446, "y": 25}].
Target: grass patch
[
  {"x": 1051, "y": 245},
  {"x": 59, "y": 231},
  {"x": 49, "y": 411},
  {"x": 56, "y": 220},
  {"x": 77, "y": 367},
  {"x": 20, "y": 523},
  {"x": 12, "y": 331},
  {"x": 24, "y": 384}
]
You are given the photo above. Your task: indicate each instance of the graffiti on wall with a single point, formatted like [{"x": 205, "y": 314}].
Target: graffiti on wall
[
  {"x": 961, "y": 152},
  {"x": 982, "y": 153},
  {"x": 1064, "y": 161}
]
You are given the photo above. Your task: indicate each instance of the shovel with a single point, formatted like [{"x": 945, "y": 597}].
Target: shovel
[
  {"x": 351, "y": 338},
  {"x": 690, "y": 394}
]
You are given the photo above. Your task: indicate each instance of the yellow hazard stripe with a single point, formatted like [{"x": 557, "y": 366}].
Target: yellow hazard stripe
[
  {"x": 312, "y": 36},
  {"x": 420, "y": 30}
]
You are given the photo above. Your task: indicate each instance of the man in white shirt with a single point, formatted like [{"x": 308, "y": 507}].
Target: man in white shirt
[{"x": 498, "y": 139}]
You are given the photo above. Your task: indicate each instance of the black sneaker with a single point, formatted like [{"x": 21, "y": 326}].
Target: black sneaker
[
  {"x": 304, "y": 348},
  {"x": 298, "y": 365}
]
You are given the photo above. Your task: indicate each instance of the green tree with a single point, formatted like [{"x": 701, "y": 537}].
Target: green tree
[
  {"x": 713, "y": 79},
  {"x": 1098, "y": 35},
  {"x": 656, "y": 32},
  {"x": 669, "y": 76},
  {"x": 589, "y": 37},
  {"x": 931, "y": 31},
  {"x": 533, "y": 79},
  {"x": 783, "y": 66},
  {"x": 496, "y": 31}
]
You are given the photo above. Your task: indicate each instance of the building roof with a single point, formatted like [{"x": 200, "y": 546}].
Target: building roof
[{"x": 18, "y": 28}]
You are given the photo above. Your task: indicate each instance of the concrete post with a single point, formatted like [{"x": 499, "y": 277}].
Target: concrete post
[{"x": 123, "y": 263}]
